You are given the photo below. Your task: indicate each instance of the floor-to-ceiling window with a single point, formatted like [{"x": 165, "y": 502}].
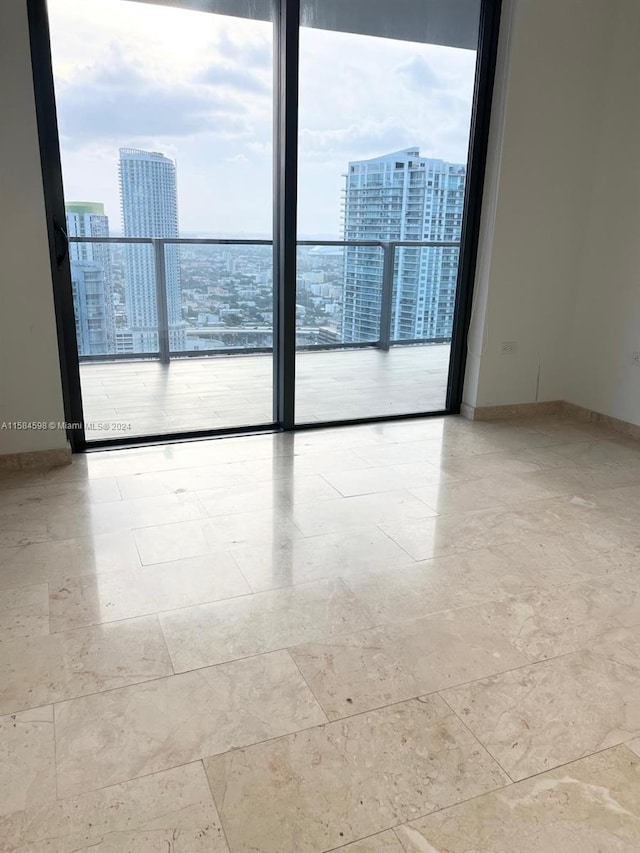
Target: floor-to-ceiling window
[
  {"x": 182, "y": 262},
  {"x": 386, "y": 103},
  {"x": 165, "y": 119}
]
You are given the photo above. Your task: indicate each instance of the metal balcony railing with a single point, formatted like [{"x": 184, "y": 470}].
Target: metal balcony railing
[{"x": 164, "y": 354}]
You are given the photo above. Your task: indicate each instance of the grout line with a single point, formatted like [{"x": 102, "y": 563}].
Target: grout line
[
  {"x": 166, "y": 645},
  {"x": 412, "y": 559},
  {"x": 237, "y": 565},
  {"x": 365, "y": 838},
  {"x": 55, "y": 752},
  {"x": 324, "y": 640},
  {"x": 228, "y": 751},
  {"x": 535, "y": 503},
  {"x": 483, "y": 746},
  {"x": 217, "y": 808},
  {"x": 418, "y": 696},
  {"x": 489, "y": 793},
  {"x": 48, "y": 606},
  {"x": 311, "y": 690}
]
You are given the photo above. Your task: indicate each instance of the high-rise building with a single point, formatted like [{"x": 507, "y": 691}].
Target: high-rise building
[
  {"x": 91, "y": 279},
  {"x": 149, "y": 204},
  {"x": 402, "y": 196}
]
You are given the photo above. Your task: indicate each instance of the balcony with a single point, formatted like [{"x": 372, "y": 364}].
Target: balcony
[{"x": 221, "y": 376}]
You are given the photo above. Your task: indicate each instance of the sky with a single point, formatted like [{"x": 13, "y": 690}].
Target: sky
[{"x": 198, "y": 88}]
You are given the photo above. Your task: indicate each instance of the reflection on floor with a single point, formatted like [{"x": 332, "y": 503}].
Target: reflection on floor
[
  {"x": 404, "y": 637},
  {"x": 234, "y": 391}
]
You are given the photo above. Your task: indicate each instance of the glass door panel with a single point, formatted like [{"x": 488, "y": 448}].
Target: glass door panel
[
  {"x": 384, "y": 120},
  {"x": 165, "y": 119}
]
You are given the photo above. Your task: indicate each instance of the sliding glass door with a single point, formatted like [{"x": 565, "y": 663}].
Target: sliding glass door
[
  {"x": 386, "y": 103},
  {"x": 263, "y": 213},
  {"x": 165, "y": 122}
]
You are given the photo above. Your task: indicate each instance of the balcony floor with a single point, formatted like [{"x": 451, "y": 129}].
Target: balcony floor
[{"x": 234, "y": 391}]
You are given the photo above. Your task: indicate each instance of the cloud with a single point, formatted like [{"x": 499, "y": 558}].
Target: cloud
[
  {"x": 419, "y": 72},
  {"x": 226, "y": 76},
  {"x": 355, "y": 142},
  {"x": 256, "y": 53},
  {"x": 121, "y": 100}
]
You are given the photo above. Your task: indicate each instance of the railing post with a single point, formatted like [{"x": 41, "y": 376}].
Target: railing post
[
  {"x": 162, "y": 309},
  {"x": 386, "y": 300}
]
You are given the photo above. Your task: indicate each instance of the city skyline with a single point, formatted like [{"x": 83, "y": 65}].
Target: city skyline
[
  {"x": 397, "y": 196},
  {"x": 198, "y": 87}
]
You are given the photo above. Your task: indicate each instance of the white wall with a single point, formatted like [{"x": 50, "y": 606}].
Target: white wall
[
  {"x": 552, "y": 72},
  {"x": 606, "y": 328},
  {"x": 30, "y": 388}
]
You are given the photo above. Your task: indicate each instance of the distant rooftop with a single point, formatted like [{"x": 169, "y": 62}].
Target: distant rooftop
[
  {"x": 139, "y": 154},
  {"x": 406, "y": 154},
  {"x": 85, "y": 207}
]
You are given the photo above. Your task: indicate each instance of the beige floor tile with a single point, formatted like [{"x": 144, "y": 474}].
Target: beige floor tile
[
  {"x": 570, "y": 429},
  {"x": 357, "y": 550},
  {"x": 499, "y": 490},
  {"x": 38, "y": 563},
  {"x": 424, "y": 451},
  {"x": 71, "y": 494},
  {"x": 590, "y": 806},
  {"x": 40, "y": 670},
  {"x": 123, "y": 515},
  {"x": 383, "y": 842},
  {"x": 557, "y": 559},
  {"x": 621, "y": 645},
  {"x": 425, "y": 538},
  {"x": 133, "y": 731},
  {"x": 588, "y": 453},
  {"x": 227, "y": 630},
  {"x": 10, "y": 480},
  {"x": 178, "y": 480},
  {"x": 184, "y": 539},
  {"x": 316, "y": 461},
  {"x": 525, "y": 460},
  {"x": 443, "y": 583},
  {"x": 24, "y": 528},
  {"x": 545, "y": 624},
  {"x": 143, "y": 460},
  {"x": 622, "y": 501},
  {"x": 550, "y": 713},
  {"x": 24, "y": 611},
  {"x": 471, "y": 443},
  {"x": 168, "y": 811},
  {"x": 386, "y": 479},
  {"x": 94, "y": 599},
  {"x": 603, "y": 475},
  {"x": 314, "y": 519},
  {"x": 376, "y": 667},
  {"x": 27, "y": 760},
  {"x": 253, "y": 497},
  {"x": 313, "y": 539},
  {"x": 310, "y": 442},
  {"x": 334, "y": 784},
  {"x": 634, "y": 746}
]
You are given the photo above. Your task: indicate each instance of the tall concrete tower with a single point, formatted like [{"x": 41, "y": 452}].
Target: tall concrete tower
[
  {"x": 402, "y": 196},
  {"x": 91, "y": 279},
  {"x": 149, "y": 205}
]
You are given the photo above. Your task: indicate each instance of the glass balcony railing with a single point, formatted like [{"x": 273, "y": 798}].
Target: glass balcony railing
[{"x": 148, "y": 298}]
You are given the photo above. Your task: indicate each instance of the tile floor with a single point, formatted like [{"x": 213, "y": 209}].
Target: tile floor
[{"x": 398, "y": 638}]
